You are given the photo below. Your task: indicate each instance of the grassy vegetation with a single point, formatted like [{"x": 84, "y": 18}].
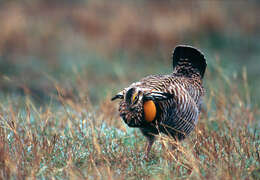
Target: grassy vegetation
[
  {"x": 61, "y": 61},
  {"x": 73, "y": 139}
]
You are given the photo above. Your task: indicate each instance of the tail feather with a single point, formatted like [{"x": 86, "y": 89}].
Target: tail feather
[{"x": 188, "y": 60}]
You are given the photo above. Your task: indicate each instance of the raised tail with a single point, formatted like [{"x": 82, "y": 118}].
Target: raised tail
[{"x": 188, "y": 61}]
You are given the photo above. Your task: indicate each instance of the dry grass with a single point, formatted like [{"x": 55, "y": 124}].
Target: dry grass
[
  {"x": 77, "y": 52},
  {"x": 76, "y": 140}
]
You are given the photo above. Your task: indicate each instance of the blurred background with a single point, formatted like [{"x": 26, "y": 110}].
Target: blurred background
[{"x": 91, "y": 49}]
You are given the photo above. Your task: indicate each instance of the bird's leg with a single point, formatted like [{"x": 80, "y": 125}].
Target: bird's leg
[
  {"x": 150, "y": 135},
  {"x": 149, "y": 145}
]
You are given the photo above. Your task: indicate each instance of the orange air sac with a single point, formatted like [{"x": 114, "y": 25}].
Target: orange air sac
[{"x": 149, "y": 111}]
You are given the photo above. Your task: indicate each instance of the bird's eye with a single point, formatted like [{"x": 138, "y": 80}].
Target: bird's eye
[{"x": 135, "y": 98}]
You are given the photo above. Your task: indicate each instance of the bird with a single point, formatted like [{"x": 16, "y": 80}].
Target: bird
[{"x": 168, "y": 104}]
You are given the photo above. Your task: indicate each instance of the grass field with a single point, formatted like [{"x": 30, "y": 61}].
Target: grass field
[
  {"x": 70, "y": 138},
  {"x": 61, "y": 62}
]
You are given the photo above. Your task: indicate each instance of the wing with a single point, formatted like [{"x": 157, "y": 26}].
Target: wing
[{"x": 179, "y": 114}]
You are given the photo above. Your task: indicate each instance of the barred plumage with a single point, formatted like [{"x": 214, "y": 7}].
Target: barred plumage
[{"x": 166, "y": 103}]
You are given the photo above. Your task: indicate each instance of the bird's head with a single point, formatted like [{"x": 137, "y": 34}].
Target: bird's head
[
  {"x": 131, "y": 107},
  {"x": 133, "y": 98}
]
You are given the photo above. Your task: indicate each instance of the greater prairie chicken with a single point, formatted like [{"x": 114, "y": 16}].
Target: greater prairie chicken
[{"x": 166, "y": 103}]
